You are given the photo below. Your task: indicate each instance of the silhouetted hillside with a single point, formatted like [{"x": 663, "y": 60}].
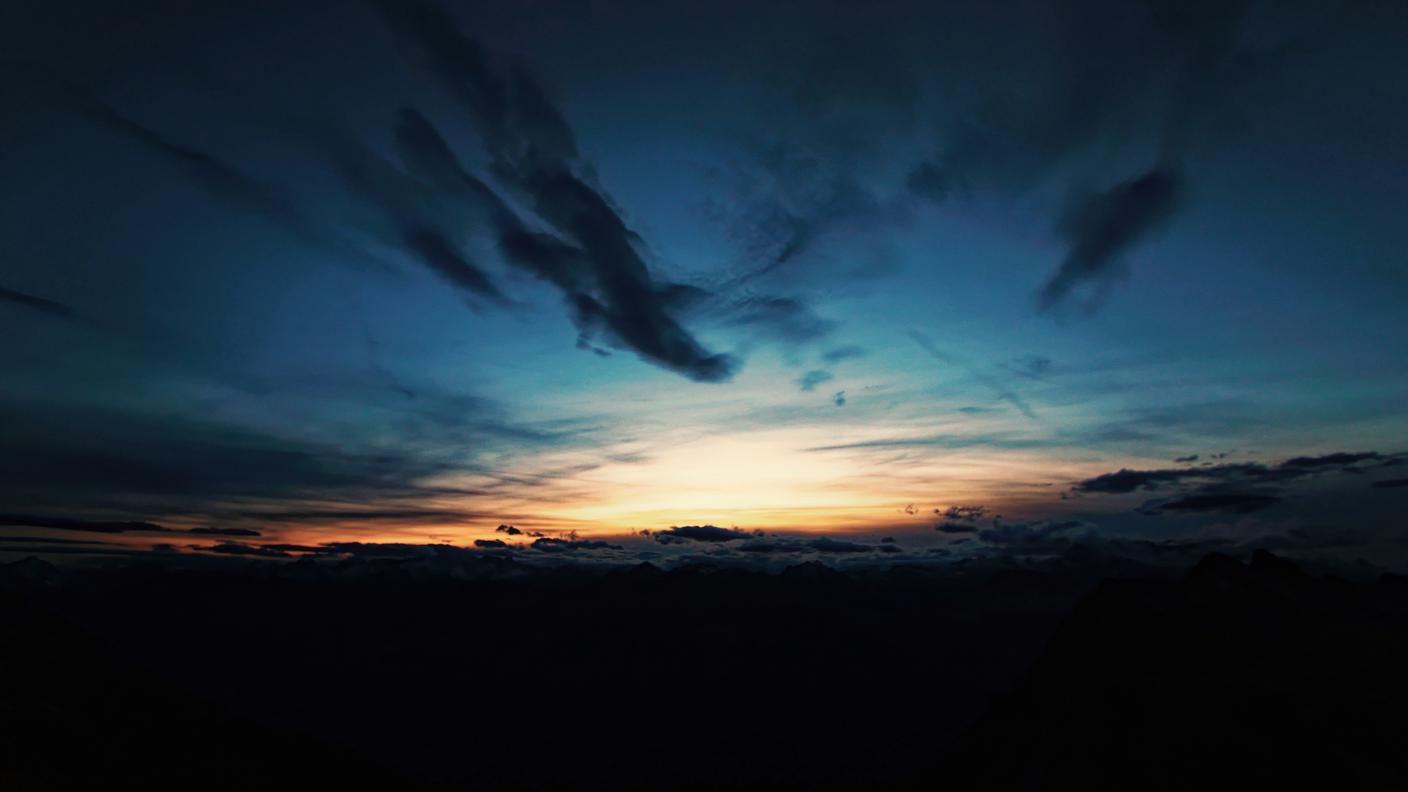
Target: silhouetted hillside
[
  {"x": 73, "y": 717},
  {"x": 465, "y": 675},
  {"x": 1259, "y": 676},
  {"x": 698, "y": 677}
]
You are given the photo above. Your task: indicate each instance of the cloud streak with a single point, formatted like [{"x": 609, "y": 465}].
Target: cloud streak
[
  {"x": 592, "y": 255},
  {"x": 1105, "y": 225},
  {"x": 45, "y": 306},
  {"x": 999, "y": 390}
]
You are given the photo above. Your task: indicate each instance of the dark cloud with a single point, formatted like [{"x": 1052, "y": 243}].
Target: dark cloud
[
  {"x": 92, "y": 526},
  {"x": 40, "y": 304},
  {"x": 839, "y": 399},
  {"x": 811, "y": 379},
  {"x": 1237, "y": 503},
  {"x": 1153, "y": 74},
  {"x": 440, "y": 256},
  {"x": 508, "y": 529},
  {"x": 1390, "y": 483},
  {"x": 492, "y": 544},
  {"x": 1340, "y": 459},
  {"x": 950, "y": 527},
  {"x": 1036, "y": 537},
  {"x": 293, "y": 548},
  {"x": 770, "y": 546},
  {"x": 359, "y": 515},
  {"x": 220, "y": 178},
  {"x": 1104, "y": 225},
  {"x": 700, "y": 533},
  {"x": 784, "y": 319},
  {"x": 388, "y": 549},
  {"x": 166, "y": 463},
  {"x": 591, "y": 254},
  {"x": 51, "y": 540},
  {"x": 241, "y": 549},
  {"x": 1189, "y": 458},
  {"x": 963, "y": 513},
  {"x": 533, "y": 150},
  {"x": 843, "y": 353},
  {"x": 212, "y": 531},
  {"x": 550, "y": 545},
  {"x": 115, "y": 526},
  {"x": 1126, "y": 480},
  {"x": 929, "y": 181},
  {"x": 826, "y": 544}
]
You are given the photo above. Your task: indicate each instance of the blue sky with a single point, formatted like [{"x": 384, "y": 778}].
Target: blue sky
[{"x": 663, "y": 268}]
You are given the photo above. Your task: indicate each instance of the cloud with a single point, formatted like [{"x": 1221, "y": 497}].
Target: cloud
[
  {"x": 294, "y": 548},
  {"x": 1340, "y": 459},
  {"x": 839, "y": 399},
  {"x": 826, "y": 544},
  {"x": 963, "y": 513},
  {"x": 1237, "y": 503},
  {"x": 1038, "y": 536},
  {"x": 360, "y": 515},
  {"x": 51, "y": 540},
  {"x": 1390, "y": 483},
  {"x": 1000, "y": 390},
  {"x": 508, "y": 529},
  {"x": 811, "y": 379},
  {"x": 769, "y": 546},
  {"x": 700, "y": 533},
  {"x": 928, "y": 180},
  {"x": 843, "y": 353},
  {"x": 380, "y": 549},
  {"x": 492, "y": 544},
  {"x": 161, "y": 463},
  {"x": 1032, "y": 366},
  {"x": 212, "y": 531},
  {"x": 1126, "y": 480},
  {"x": 1104, "y": 225},
  {"x": 240, "y": 549},
  {"x": 950, "y": 527},
  {"x": 533, "y": 150},
  {"x": 213, "y": 174},
  {"x": 784, "y": 319},
  {"x": 91, "y": 526},
  {"x": 440, "y": 256},
  {"x": 40, "y": 304},
  {"x": 550, "y": 545},
  {"x": 1113, "y": 79}
]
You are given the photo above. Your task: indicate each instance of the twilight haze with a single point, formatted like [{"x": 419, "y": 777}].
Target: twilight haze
[{"x": 652, "y": 280}]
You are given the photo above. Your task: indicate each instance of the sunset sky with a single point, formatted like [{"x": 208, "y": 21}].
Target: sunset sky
[{"x": 301, "y": 273}]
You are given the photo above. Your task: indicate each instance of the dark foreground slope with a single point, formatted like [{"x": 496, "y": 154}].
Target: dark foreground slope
[
  {"x": 491, "y": 676},
  {"x": 74, "y": 717},
  {"x": 697, "y": 677},
  {"x": 1254, "y": 676}
]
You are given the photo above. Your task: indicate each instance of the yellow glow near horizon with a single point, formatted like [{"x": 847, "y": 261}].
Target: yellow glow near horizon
[{"x": 769, "y": 479}]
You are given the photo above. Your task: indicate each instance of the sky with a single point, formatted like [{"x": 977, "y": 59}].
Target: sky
[{"x": 277, "y": 277}]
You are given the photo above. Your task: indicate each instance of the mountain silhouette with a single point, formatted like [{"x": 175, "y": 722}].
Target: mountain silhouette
[{"x": 1256, "y": 675}]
